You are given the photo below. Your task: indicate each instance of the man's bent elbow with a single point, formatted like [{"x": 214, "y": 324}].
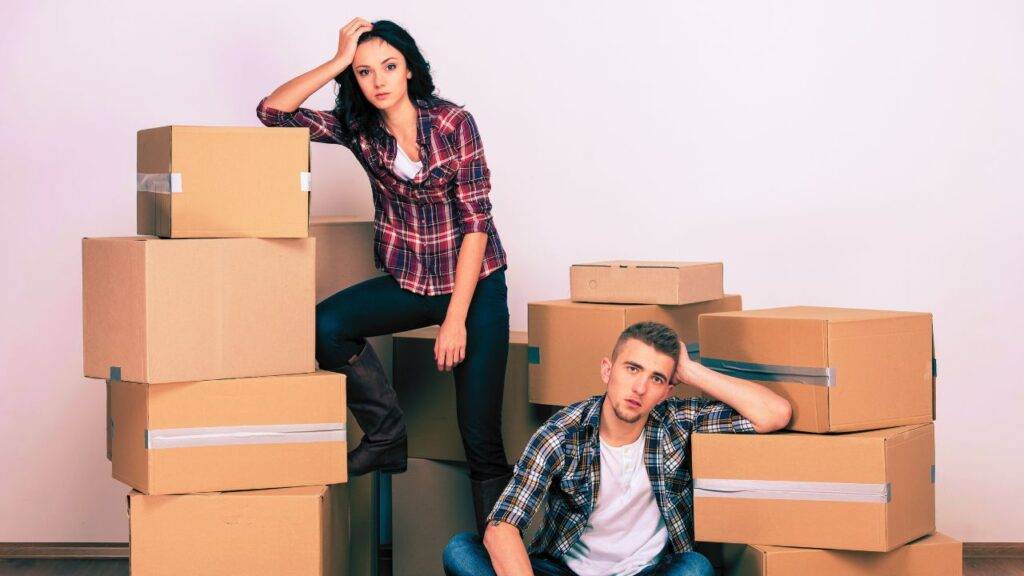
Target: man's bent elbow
[{"x": 777, "y": 418}]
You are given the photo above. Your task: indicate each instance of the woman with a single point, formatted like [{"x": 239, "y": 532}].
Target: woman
[{"x": 434, "y": 235}]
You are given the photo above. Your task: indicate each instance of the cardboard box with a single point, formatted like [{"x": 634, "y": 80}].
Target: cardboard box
[
  {"x": 432, "y": 501},
  {"x": 184, "y": 310},
  {"x": 344, "y": 257},
  {"x": 871, "y": 491},
  {"x": 428, "y": 399},
  {"x": 841, "y": 369},
  {"x": 935, "y": 555},
  {"x": 285, "y": 531},
  {"x": 365, "y": 515},
  {"x": 235, "y": 434},
  {"x": 646, "y": 282},
  {"x": 219, "y": 182},
  {"x": 567, "y": 341}
]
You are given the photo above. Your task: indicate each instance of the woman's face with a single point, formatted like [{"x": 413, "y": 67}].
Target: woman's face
[{"x": 381, "y": 72}]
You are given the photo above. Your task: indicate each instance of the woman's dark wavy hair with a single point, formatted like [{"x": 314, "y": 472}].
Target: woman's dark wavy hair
[{"x": 353, "y": 108}]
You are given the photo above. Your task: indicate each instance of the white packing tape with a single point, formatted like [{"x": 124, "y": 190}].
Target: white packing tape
[
  {"x": 167, "y": 183},
  {"x": 792, "y": 490},
  {"x": 304, "y": 180},
  {"x": 236, "y": 435}
]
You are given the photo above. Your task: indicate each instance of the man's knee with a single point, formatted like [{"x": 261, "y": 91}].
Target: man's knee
[
  {"x": 459, "y": 552},
  {"x": 689, "y": 564}
]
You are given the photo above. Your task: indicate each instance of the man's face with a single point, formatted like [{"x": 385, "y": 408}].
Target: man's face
[{"x": 638, "y": 379}]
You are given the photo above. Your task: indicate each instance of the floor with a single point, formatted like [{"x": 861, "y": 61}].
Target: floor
[{"x": 972, "y": 567}]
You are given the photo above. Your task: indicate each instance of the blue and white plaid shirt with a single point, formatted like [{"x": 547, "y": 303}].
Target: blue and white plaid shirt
[{"x": 562, "y": 460}]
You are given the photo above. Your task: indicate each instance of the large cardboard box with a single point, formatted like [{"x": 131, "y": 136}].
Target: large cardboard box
[
  {"x": 344, "y": 257},
  {"x": 219, "y": 182},
  {"x": 841, "y": 369},
  {"x": 285, "y": 531},
  {"x": 646, "y": 282},
  {"x": 567, "y": 341},
  {"x": 871, "y": 491},
  {"x": 432, "y": 501},
  {"x": 427, "y": 397},
  {"x": 935, "y": 555},
  {"x": 183, "y": 310},
  {"x": 234, "y": 434}
]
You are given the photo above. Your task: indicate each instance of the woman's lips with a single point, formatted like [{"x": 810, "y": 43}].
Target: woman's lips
[{"x": 381, "y": 95}]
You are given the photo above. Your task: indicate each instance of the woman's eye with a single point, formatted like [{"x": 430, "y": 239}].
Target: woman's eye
[
  {"x": 363, "y": 72},
  {"x": 392, "y": 66}
]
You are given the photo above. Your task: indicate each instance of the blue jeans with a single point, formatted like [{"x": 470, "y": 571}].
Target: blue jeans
[{"x": 465, "y": 555}]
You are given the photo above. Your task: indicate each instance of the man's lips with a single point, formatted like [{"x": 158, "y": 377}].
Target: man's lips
[{"x": 632, "y": 403}]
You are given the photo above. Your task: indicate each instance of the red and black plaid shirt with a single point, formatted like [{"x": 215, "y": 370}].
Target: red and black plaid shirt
[{"x": 419, "y": 224}]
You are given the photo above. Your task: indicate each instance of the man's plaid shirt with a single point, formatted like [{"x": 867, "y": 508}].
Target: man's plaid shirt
[
  {"x": 419, "y": 224},
  {"x": 562, "y": 460}
]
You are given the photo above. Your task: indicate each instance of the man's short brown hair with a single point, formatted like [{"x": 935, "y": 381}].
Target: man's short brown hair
[{"x": 658, "y": 336}]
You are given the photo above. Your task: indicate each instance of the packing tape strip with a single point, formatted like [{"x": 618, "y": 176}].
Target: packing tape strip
[
  {"x": 304, "y": 179},
  {"x": 238, "y": 435},
  {"x": 693, "y": 351},
  {"x": 159, "y": 183},
  {"x": 773, "y": 372},
  {"x": 792, "y": 490}
]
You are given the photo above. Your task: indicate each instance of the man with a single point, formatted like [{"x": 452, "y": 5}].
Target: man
[{"x": 619, "y": 494}]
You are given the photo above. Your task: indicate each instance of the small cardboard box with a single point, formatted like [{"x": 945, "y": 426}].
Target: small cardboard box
[
  {"x": 344, "y": 257},
  {"x": 646, "y": 282},
  {"x": 223, "y": 182},
  {"x": 428, "y": 399},
  {"x": 235, "y": 434},
  {"x": 935, "y": 555},
  {"x": 841, "y": 369},
  {"x": 871, "y": 491},
  {"x": 281, "y": 532},
  {"x": 184, "y": 310},
  {"x": 431, "y": 502},
  {"x": 567, "y": 341}
]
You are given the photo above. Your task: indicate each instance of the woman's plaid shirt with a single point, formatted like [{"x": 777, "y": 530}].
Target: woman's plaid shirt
[
  {"x": 419, "y": 224},
  {"x": 562, "y": 460}
]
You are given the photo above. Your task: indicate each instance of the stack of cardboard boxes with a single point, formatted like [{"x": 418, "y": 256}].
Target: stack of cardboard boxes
[
  {"x": 234, "y": 443},
  {"x": 850, "y": 486}
]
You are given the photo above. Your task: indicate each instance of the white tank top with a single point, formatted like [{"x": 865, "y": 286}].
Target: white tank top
[{"x": 405, "y": 167}]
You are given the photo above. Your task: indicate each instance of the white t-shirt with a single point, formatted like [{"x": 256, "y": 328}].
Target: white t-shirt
[
  {"x": 405, "y": 167},
  {"x": 625, "y": 532}
]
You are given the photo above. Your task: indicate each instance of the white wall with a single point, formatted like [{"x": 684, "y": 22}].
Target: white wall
[{"x": 842, "y": 153}]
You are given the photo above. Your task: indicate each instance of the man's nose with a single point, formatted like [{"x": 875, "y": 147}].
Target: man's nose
[{"x": 640, "y": 384}]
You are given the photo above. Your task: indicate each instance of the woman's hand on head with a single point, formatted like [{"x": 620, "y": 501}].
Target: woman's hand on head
[{"x": 348, "y": 39}]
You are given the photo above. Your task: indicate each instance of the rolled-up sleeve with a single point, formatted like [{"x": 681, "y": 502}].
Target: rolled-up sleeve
[
  {"x": 472, "y": 179},
  {"x": 713, "y": 416},
  {"x": 530, "y": 479},
  {"x": 323, "y": 124}
]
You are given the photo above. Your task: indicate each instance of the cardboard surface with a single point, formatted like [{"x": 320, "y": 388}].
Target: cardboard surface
[
  {"x": 646, "y": 282},
  {"x": 902, "y": 458},
  {"x": 934, "y": 555},
  {"x": 882, "y": 362},
  {"x": 186, "y": 310},
  {"x": 344, "y": 257},
  {"x": 235, "y": 182},
  {"x": 432, "y": 501},
  {"x": 568, "y": 340},
  {"x": 286, "y": 531},
  {"x": 428, "y": 399},
  {"x": 218, "y": 464}
]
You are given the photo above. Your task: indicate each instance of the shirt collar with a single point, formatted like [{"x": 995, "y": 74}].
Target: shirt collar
[
  {"x": 423, "y": 120},
  {"x": 592, "y": 416}
]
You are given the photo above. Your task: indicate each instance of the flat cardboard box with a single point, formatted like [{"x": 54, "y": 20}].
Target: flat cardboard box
[
  {"x": 646, "y": 282},
  {"x": 223, "y": 182},
  {"x": 871, "y": 491},
  {"x": 280, "y": 532},
  {"x": 427, "y": 397},
  {"x": 158, "y": 310},
  {"x": 935, "y": 555},
  {"x": 432, "y": 502},
  {"x": 234, "y": 434},
  {"x": 841, "y": 369},
  {"x": 567, "y": 341},
  {"x": 344, "y": 257}
]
